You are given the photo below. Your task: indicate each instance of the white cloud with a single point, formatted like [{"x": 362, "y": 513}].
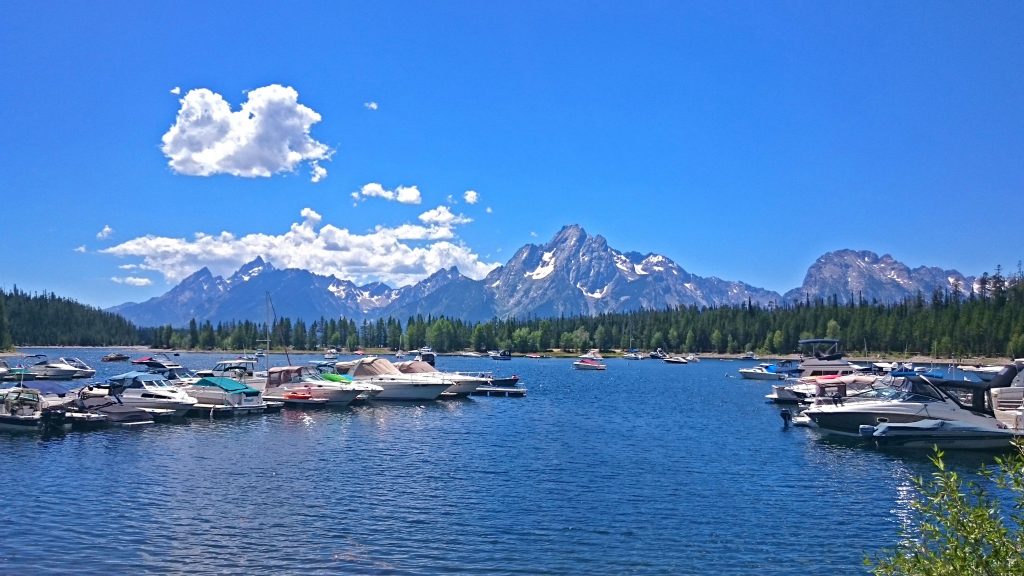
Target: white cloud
[
  {"x": 128, "y": 266},
  {"x": 132, "y": 280},
  {"x": 80, "y": 249},
  {"x": 442, "y": 216},
  {"x": 533, "y": 234},
  {"x": 470, "y": 196},
  {"x": 401, "y": 194},
  {"x": 371, "y": 105},
  {"x": 107, "y": 231},
  {"x": 398, "y": 256},
  {"x": 488, "y": 210},
  {"x": 267, "y": 135},
  {"x": 176, "y": 90}
]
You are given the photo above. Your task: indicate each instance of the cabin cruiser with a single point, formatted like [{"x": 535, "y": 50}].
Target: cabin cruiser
[
  {"x": 461, "y": 384},
  {"x": 305, "y": 385},
  {"x": 44, "y": 368},
  {"x": 658, "y": 354},
  {"x": 810, "y": 390},
  {"x": 84, "y": 370},
  {"x": 676, "y": 360},
  {"x": 331, "y": 354},
  {"x": 500, "y": 355},
  {"x": 162, "y": 364},
  {"x": 221, "y": 394},
  {"x": 633, "y": 355},
  {"x": 146, "y": 390},
  {"x": 25, "y": 409},
  {"x": 921, "y": 399},
  {"x": 241, "y": 369},
  {"x": 824, "y": 357},
  {"x": 397, "y": 386},
  {"x": 426, "y": 354}
]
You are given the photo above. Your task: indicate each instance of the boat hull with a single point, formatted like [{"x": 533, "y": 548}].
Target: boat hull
[{"x": 410, "y": 390}]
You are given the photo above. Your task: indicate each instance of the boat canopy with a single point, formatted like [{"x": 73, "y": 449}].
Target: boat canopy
[
  {"x": 367, "y": 368},
  {"x": 280, "y": 375},
  {"x": 137, "y": 375},
  {"x": 52, "y": 387},
  {"x": 415, "y": 367},
  {"x": 227, "y": 385}
]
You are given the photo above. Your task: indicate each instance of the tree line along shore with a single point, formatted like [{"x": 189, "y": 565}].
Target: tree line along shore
[{"x": 983, "y": 326}]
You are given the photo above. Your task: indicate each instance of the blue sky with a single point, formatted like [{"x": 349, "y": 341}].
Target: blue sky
[{"x": 143, "y": 140}]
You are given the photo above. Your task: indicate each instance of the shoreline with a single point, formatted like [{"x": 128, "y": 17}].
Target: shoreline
[{"x": 609, "y": 355}]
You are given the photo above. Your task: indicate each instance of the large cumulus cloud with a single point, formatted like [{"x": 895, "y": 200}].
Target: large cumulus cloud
[{"x": 269, "y": 134}]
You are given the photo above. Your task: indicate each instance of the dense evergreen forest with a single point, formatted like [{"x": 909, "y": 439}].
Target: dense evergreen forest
[{"x": 988, "y": 322}]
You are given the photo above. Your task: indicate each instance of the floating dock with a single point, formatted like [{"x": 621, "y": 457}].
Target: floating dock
[{"x": 509, "y": 392}]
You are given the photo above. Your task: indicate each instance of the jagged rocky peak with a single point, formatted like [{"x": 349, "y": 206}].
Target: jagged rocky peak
[{"x": 251, "y": 270}]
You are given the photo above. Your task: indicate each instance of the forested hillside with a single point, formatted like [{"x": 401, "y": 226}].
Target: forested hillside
[{"x": 49, "y": 320}]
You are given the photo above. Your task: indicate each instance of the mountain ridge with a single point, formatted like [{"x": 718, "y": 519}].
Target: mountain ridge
[{"x": 572, "y": 274}]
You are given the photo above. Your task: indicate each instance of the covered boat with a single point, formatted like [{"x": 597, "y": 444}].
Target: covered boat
[{"x": 225, "y": 395}]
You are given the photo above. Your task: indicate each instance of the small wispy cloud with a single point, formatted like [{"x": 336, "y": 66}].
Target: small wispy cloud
[
  {"x": 533, "y": 234},
  {"x": 371, "y": 105},
  {"x": 105, "y": 232},
  {"x": 131, "y": 280},
  {"x": 269, "y": 134},
  {"x": 470, "y": 196},
  {"x": 80, "y": 249},
  {"x": 401, "y": 194},
  {"x": 488, "y": 210},
  {"x": 176, "y": 90},
  {"x": 442, "y": 216}
]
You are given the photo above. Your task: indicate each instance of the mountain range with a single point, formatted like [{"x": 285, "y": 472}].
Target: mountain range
[{"x": 573, "y": 274}]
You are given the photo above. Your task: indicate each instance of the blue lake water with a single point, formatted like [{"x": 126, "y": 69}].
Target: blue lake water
[{"x": 646, "y": 468}]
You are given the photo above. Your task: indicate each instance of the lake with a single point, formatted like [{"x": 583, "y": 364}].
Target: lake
[{"x": 645, "y": 468}]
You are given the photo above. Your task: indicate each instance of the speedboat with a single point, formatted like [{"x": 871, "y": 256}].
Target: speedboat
[
  {"x": 658, "y": 354},
  {"x": 331, "y": 354},
  {"x": 917, "y": 399},
  {"x": 146, "y": 390},
  {"x": 676, "y": 360},
  {"x": 43, "y": 368},
  {"x": 588, "y": 364},
  {"x": 633, "y": 355},
  {"x": 25, "y": 409},
  {"x": 396, "y": 386},
  {"x": 14, "y": 373},
  {"x": 763, "y": 371},
  {"x": 461, "y": 384},
  {"x": 305, "y": 385},
  {"x": 162, "y": 364},
  {"x": 225, "y": 395},
  {"x": 84, "y": 370},
  {"x": 115, "y": 357},
  {"x": 241, "y": 369},
  {"x": 500, "y": 355}
]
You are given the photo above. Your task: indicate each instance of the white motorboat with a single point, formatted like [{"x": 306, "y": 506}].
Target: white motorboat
[
  {"x": 225, "y": 395},
  {"x": 396, "y": 386},
  {"x": 762, "y": 371},
  {"x": 588, "y": 364},
  {"x": 147, "y": 390},
  {"x": 83, "y": 369},
  {"x": 162, "y": 364},
  {"x": 461, "y": 384},
  {"x": 331, "y": 354},
  {"x": 633, "y": 355},
  {"x": 305, "y": 385},
  {"x": 43, "y": 368},
  {"x": 500, "y": 355},
  {"x": 917, "y": 399},
  {"x": 676, "y": 360},
  {"x": 25, "y": 409},
  {"x": 946, "y": 434}
]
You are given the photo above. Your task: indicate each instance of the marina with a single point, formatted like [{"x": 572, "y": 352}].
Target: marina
[{"x": 695, "y": 474}]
